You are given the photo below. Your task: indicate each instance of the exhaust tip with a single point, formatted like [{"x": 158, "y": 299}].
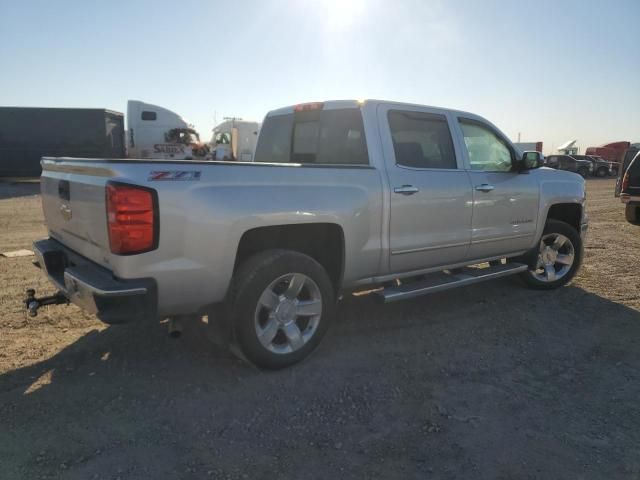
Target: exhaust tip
[{"x": 174, "y": 328}]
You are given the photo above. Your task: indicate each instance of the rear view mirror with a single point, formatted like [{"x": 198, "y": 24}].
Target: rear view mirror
[{"x": 531, "y": 160}]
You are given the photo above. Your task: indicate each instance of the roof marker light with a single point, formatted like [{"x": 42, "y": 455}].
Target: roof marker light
[{"x": 305, "y": 107}]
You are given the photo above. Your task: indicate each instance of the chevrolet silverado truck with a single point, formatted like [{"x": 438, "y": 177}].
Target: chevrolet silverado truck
[{"x": 396, "y": 199}]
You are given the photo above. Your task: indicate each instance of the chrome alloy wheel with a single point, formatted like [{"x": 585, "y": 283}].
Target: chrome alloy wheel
[
  {"x": 555, "y": 258},
  {"x": 288, "y": 313}
]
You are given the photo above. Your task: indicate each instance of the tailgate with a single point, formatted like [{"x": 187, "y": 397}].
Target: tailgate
[{"x": 73, "y": 201}]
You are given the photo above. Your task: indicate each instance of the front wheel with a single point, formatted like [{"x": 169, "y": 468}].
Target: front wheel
[
  {"x": 558, "y": 259},
  {"x": 602, "y": 172},
  {"x": 584, "y": 172},
  {"x": 281, "y": 306}
]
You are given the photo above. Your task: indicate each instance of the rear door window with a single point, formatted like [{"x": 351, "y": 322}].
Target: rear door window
[
  {"x": 327, "y": 137},
  {"x": 421, "y": 140}
]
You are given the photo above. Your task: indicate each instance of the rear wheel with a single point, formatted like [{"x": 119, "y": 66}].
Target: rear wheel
[
  {"x": 632, "y": 214},
  {"x": 584, "y": 172},
  {"x": 559, "y": 256},
  {"x": 281, "y": 306},
  {"x": 602, "y": 172}
]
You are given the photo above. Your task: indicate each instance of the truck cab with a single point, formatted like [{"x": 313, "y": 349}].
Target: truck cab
[
  {"x": 156, "y": 132},
  {"x": 235, "y": 140}
]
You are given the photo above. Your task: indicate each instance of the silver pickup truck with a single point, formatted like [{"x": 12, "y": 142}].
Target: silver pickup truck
[{"x": 343, "y": 196}]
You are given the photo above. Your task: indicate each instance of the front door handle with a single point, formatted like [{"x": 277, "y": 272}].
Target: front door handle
[
  {"x": 406, "y": 190},
  {"x": 485, "y": 187}
]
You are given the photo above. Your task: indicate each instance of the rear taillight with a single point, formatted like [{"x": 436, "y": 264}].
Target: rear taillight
[
  {"x": 132, "y": 218},
  {"x": 625, "y": 182}
]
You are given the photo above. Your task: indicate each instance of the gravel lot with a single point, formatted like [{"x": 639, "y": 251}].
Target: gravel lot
[{"x": 494, "y": 381}]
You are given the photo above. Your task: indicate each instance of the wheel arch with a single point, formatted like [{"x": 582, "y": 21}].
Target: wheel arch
[
  {"x": 324, "y": 242},
  {"x": 567, "y": 212}
]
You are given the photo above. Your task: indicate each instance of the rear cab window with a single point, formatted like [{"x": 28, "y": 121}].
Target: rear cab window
[{"x": 318, "y": 137}]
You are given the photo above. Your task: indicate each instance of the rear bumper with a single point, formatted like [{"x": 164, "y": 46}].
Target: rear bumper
[
  {"x": 94, "y": 288},
  {"x": 628, "y": 198}
]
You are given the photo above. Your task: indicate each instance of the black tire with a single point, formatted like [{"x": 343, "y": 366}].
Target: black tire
[
  {"x": 632, "y": 214},
  {"x": 584, "y": 172},
  {"x": 557, "y": 227},
  {"x": 252, "y": 278},
  {"x": 602, "y": 172}
]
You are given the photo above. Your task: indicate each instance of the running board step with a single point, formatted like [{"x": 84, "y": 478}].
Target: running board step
[{"x": 437, "y": 282}]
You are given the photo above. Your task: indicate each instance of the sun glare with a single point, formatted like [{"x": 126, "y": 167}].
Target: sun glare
[{"x": 342, "y": 14}]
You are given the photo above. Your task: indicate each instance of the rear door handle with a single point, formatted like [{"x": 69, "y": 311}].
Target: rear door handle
[
  {"x": 406, "y": 190},
  {"x": 485, "y": 187}
]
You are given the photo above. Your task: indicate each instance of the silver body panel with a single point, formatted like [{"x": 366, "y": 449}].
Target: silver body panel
[{"x": 386, "y": 234}]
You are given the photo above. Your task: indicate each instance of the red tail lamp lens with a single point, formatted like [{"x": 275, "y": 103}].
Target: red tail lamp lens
[{"x": 131, "y": 219}]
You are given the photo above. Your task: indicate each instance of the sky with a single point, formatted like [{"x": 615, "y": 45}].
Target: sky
[{"x": 550, "y": 71}]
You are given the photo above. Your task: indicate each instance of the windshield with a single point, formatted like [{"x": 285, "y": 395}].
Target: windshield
[
  {"x": 184, "y": 136},
  {"x": 223, "y": 138}
]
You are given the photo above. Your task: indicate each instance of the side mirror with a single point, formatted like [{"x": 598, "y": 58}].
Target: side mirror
[{"x": 531, "y": 160}]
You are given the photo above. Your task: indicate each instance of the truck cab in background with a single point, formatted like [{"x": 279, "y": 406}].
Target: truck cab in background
[
  {"x": 234, "y": 139},
  {"x": 155, "y": 132}
]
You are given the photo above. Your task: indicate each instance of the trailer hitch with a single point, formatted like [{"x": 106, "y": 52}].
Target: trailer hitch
[{"x": 32, "y": 303}]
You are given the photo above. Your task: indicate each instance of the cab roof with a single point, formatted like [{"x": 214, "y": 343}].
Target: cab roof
[{"x": 338, "y": 104}]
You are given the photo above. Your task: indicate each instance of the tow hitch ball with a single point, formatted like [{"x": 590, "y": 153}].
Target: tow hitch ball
[{"x": 32, "y": 303}]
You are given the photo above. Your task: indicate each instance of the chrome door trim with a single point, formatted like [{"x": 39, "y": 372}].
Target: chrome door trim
[{"x": 424, "y": 249}]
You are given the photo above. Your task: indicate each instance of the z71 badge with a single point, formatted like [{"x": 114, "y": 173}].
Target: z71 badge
[{"x": 167, "y": 175}]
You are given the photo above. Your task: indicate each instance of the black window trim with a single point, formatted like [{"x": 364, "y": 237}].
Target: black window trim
[
  {"x": 493, "y": 130},
  {"x": 424, "y": 169}
]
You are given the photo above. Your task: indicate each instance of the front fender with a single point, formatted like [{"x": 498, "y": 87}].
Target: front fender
[{"x": 558, "y": 187}]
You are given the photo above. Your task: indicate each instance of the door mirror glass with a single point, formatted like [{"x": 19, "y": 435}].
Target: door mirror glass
[{"x": 531, "y": 160}]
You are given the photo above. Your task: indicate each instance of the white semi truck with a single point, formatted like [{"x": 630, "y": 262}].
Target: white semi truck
[
  {"x": 234, "y": 139},
  {"x": 156, "y": 132}
]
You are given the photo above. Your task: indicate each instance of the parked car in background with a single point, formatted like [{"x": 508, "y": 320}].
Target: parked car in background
[
  {"x": 630, "y": 191},
  {"x": 569, "y": 163},
  {"x": 601, "y": 168},
  {"x": 629, "y": 155},
  {"x": 614, "y": 167},
  {"x": 611, "y": 152}
]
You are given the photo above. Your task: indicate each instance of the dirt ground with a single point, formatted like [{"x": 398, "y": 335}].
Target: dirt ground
[{"x": 493, "y": 381}]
